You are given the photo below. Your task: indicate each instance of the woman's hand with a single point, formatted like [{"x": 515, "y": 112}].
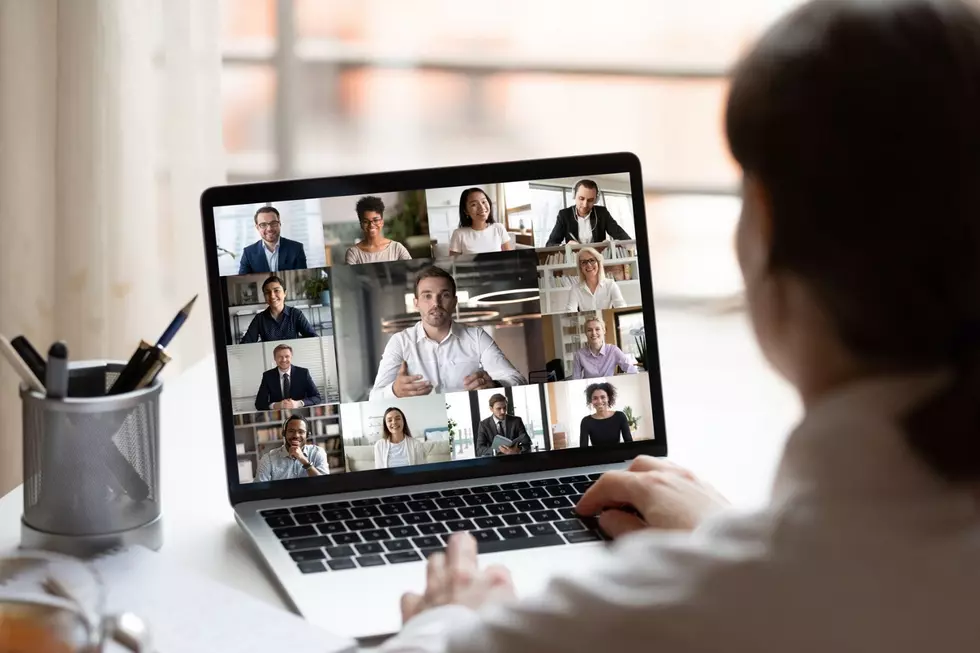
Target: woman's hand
[
  {"x": 455, "y": 578},
  {"x": 663, "y": 494}
]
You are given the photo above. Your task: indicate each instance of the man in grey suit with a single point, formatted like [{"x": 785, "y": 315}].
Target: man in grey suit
[{"x": 500, "y": 423}]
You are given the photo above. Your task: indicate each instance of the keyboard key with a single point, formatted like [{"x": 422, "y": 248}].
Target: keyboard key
[
  {"x": 427, "y": 542},
  {"x": 359, "y": 524},
  {"x": 567, "y": 513},
  {"x": 533, "y": 493},
  {"x": 301, "y": 509},
  {"x": 422, "y": 496},
  {"x": 309, "y": 518},
  {"x": 311, "y": 567},
  {"x": 347, "y": 538},
  {"x": 398, "y": 545},
  {"x": 595, "y": 477},
  {"x": 369, "y": 547},
  {"x": 488, "y": 522},
  {"x": 511, "y": 532},
  {"x": 537, "y": 530},
  {"x": 573, "y": 479},
  {"x": 455, "y": 492},
  {"x": 486, "y": 536},
  {"x": 444, "y": 515},
  {"x": 422, "y": 506},
  {"x": 365, "y": 511},
  {"x": 582, "y": 536},
  {"x": 417, "y": 518},
  {"x": 375, "y": 535},
  {"x": 306, "y": 543},
  {"x": 339, "y": 552},
  {"x": 560, "y": 490},
  {"x": 335, "y": 505},
  {"x": 394, "y": 509},
  {"x": 403, "y": 531},
  {"x": 529, "y": 505},
  {"x": 397, "y": 498},
  {"x": 518, "y": 518},
  {"x": 520, "y": 542},
  {"x": 541, "y": 515},
  {"x": 485, "y": 488},
  {"x": 457, "y": 525},
  {"x": 574, "y": 498},
  {"x": 432, "y": 529},
  {"x": 402, "y": 556},
  {"x": 505, "y": 496},
  {"x": 294, "y": 531},
  {"x": 340, "y": 514},
  {"x": 516, "y": 485},
  {"x": 341, "y": 563},
  {"x": 478, "y": 499},
  {"x": 280, "y": 521},
  {"x": 370, "y": 561},
  {"x": 582, "y": 487},
  {"x": 274, "y": 512},
  {"x": 306, "y": 556},
  {"x": 450, "y": 502},
  {"x": 473, "y": 511},
  {"x": 436, "y": 549},
  {"x": 389, "y": 520},
  {"x": 541, "y": 482},
  {"x": 373, "y": 501},
  {"x": 570, "y": 525},
  {"x": 331, "y": 527},
  {"x": 501, "y": 509},
  {"x": 556, "y": 502}
]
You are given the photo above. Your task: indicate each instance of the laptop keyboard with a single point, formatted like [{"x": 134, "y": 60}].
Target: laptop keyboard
[{"x": 409, "y": 527}]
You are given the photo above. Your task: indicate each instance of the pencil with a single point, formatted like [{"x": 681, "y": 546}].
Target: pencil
[{"x": 176, "y": 323}]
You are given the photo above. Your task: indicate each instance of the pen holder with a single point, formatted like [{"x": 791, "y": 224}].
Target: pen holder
[{"x": 91, "y": 465}]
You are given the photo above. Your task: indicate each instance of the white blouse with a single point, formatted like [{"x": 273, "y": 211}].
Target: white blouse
[
  {"x": 607, "y": 295},
  {"x": 467, "y": 240},
  {"x": 862, "y": 548}
]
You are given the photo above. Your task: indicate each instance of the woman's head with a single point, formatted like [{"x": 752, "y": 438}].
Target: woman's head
[
  {"x": 371, "y": 214},
  {"x": 601, "y": 396},
  {"x": 394, "y": 422},
  {"x": 590, "y": 263},
  {"x": 474, "y": 204},
  {"x": 294, "y": 431},
  {"x": 856, "y": 127}
]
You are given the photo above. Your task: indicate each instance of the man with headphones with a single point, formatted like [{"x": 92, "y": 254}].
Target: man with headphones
[
  {"x": 296, "y": 458},
  {"x": 585, "y": 222}
]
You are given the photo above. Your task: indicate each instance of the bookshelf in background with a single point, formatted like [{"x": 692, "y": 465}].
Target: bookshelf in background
[
  {"x": 258, "y": 433},
  {"x": 557, "y": 271}
]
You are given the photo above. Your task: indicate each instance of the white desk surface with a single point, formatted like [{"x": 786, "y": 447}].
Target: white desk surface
[{"x": 727, "y": 418}]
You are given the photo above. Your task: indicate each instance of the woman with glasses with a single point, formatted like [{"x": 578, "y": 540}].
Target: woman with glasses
[
  {"x": 478, "y": 232},
  {"x": 593, "y": 291},
  {"x": 296, "y": 458},
  {"x": 373, "y": 246}
]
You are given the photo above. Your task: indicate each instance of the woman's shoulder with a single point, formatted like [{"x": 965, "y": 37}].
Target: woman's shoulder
[{"x": 380, "y": 443}]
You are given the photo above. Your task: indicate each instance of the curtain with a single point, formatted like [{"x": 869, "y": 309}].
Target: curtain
[{"x": 110, "y": 128}]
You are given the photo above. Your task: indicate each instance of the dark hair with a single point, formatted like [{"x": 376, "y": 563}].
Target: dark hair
[
  {"x": 609, "y": 389},
  {"x": 496, "y": 399},
  {"x": 588, "y": 183},
  {"x": 289, "y": 419},
  {"x": 266, "y": 209},
  {"x": 385, "y": 433},
  {"x": 464, "y": 219},
  {"x": 433, "y": 271},
  {"x": 282, "y": 346},
  {"x": 860, "y": 121},
  {"x": 369, "y": 203},
  {"x": 273, "y": 279}
]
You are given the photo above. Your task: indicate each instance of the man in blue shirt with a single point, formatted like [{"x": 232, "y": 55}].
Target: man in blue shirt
[
  {"x": 278, "y": 321},
  {"x": 271, "y": 253}
]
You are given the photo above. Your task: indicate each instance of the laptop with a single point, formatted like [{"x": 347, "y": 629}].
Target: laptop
[{"x": 375, "y": 333}]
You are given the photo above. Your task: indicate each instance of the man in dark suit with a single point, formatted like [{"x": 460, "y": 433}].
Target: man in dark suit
[
  {"x": 271, "y": 253},
  {"x": 500, "y": 423},
  {"x": 585, "y": 222},
  {"x": 286, "y": 385}
]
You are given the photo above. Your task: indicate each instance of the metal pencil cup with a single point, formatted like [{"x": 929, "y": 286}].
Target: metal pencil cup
[{"x": 91, "y": 465}]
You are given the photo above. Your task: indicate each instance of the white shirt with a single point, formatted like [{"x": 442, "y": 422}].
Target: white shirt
[
  {"x": 398, "y": 455},
  {"x": 584, "y": 227},
  {"x": 862, "y": 549},
  {"x": 413, "y": 449},
  {"x": 607, "y": 295},
  {"x": 272, "y": 256},
  {"x": 467, "y": 240},
  {"x": 464, "y": 351}
]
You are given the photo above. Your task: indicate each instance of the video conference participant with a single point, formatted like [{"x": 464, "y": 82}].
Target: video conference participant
[
  {"x": 397, "y": 447},
  {"x": 502, "y": 424},
  {"x": 585, "y": 222},
  {"x": 478, "y": 232},
  {"x": 599, "y": 359},
  {"x": 278, "y": 321},
  {"x": 604, "y": 426},
  {"x": 286, "y": 385},
  {"x": 271, "y": 253},
  {"x": 437, "y": 353},
  {"x": 593, "y": 291},
  {"x": 295, "y": 458},
  {"x": 374, "y": 246}
]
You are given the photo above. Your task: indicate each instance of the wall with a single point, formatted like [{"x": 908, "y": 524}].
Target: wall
[
  {"x": 568, "y": 404},
  {"x": 618, "y": 182},
  {"x": 364, "y": 419}
]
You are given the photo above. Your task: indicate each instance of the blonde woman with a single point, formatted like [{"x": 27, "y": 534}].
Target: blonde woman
[
  {"x": 397, "y": 447},
  {"x": 593, "y": 291}
]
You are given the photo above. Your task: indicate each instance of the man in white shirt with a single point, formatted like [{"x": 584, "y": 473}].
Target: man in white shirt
[{"x": 437, "y": 354}]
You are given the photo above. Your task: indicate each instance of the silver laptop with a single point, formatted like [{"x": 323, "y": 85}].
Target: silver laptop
[{"x": 410, "y": 354}]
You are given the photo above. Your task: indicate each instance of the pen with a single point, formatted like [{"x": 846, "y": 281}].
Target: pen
[
  {"x": 154, "y": 363},
  {"x": 56, "y": 380},
  {"x": 30, "y": 355},
  {"x": 27, "y": 376},
  {"x": 133, "y": 371}
]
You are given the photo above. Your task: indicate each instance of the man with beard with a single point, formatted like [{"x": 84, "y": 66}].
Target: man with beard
[
  {"x": 296, "y": 458},
  {"x": 271, "y": 253},
  {"x": 438, "y": 354}
]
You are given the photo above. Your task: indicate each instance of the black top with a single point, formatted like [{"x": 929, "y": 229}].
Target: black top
[
  {"x": 603, "y": 225},
  {"x": 601, "y": 432},
  {"x": 291, "y": 324}
]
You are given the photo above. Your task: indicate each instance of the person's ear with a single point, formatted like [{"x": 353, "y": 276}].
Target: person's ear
[{"x": 755, "y": 229}]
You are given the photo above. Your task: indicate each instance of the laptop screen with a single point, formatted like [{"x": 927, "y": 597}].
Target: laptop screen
[{"x": 419, "y": 328}]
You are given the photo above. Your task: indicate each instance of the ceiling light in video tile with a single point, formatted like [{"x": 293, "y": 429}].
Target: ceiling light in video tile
[
  {"x": 469, "y": 316},
  {"x": 519, "y": 319},
  {"x": 498, "y": 297}
]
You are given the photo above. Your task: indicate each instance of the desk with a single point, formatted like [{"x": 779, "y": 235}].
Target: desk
[{"x": 727, "y": 417}]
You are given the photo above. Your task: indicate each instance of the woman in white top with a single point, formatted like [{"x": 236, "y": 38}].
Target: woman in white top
[
  {"x": 593, "y": 291},
  {"x": 397, "y": 447},
  {"x": 478, "y": 232},
  {"x": 373, "y": 246},
  {"x": 855, "y": 126}
]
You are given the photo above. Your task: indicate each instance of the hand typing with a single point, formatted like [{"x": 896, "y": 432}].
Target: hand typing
[
  {"x": 409, "y": 385},
  {"x": 478, "y": 380},
  {"x": 665, "y": 495}
]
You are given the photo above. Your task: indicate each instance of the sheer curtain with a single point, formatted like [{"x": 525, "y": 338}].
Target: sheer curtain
[{"x": 109, "y": 130}]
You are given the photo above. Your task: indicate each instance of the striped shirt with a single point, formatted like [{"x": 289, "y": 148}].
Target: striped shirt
[{"x": 291, "y": 324}]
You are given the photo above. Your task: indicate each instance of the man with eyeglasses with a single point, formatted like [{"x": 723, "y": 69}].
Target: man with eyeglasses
[
  {"x": 278, "y": 321},
  {"x": 296, "y": 458},
  {"x": 271, "y": 253}
]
